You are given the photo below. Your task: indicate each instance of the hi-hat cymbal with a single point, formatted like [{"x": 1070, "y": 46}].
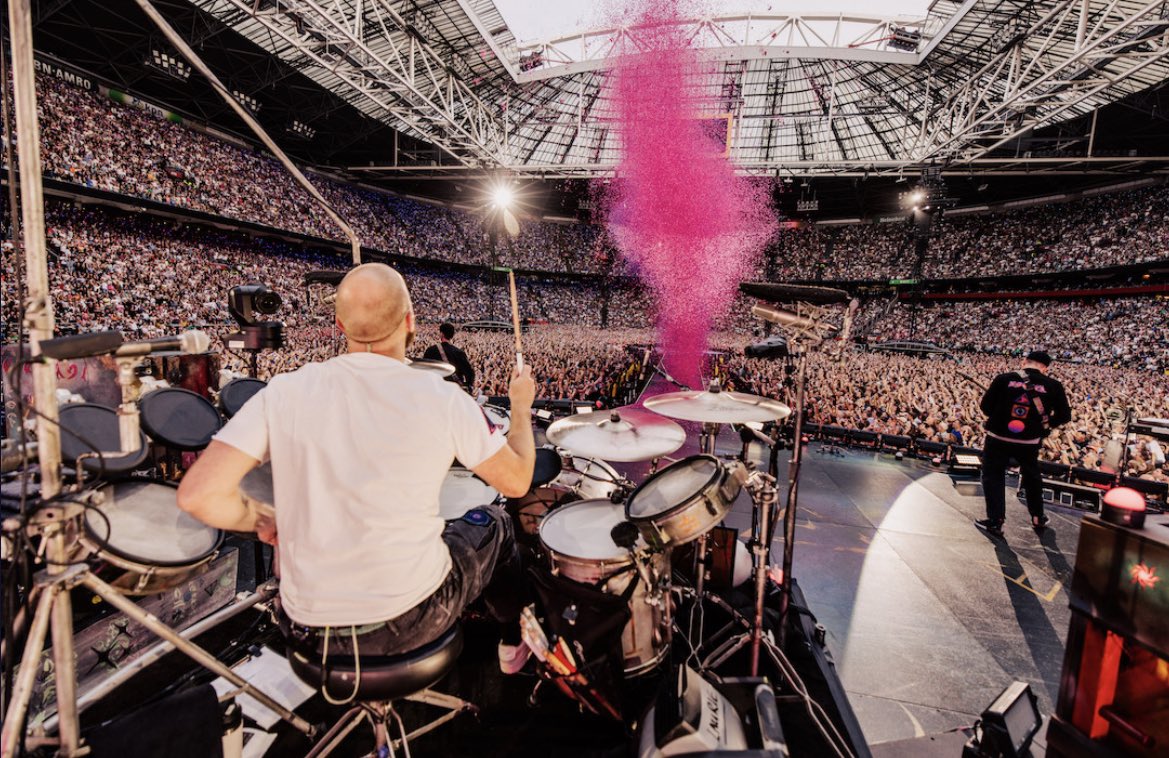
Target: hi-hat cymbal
[
  {"x": 718, "y": 407},
  {"x": 257, "y": 484},
  {"x": 442, "y": 368},
  {"x": 622, "y": 434}
]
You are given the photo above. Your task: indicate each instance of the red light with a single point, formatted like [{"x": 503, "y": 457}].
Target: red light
[
  {"x": 1126, "y": 498},
  {"x": 1144, "y": 576}
]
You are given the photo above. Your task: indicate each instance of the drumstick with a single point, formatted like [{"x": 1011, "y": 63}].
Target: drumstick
[{"x": 515, "y": 321}]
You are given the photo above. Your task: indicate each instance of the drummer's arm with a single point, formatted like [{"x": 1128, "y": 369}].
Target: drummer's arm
[
  {"x": 510, "y": 469},
  {"x": 210, "y": 490}
]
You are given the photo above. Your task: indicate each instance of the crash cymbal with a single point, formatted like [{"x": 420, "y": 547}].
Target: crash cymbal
[
  {"x": 442, "y": 368},
  {"x": 257, "y": 484},
  {"x": 718, "y": 407},
  {"x": 622, "y": 434}
]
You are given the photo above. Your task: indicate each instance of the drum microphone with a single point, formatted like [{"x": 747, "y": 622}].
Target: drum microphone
[
  {"x": 789, "y": 318},
  {"x": 112, "y": 343},
  {"x": 624, "y": 535}
]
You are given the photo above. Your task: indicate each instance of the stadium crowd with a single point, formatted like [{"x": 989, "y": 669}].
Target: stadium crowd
[
  {"x": 149, "y": 277},
  {"x": 91, "y": 140},
  {"x": 1118, "y": 332},
  {"x": 937, "y": 400}
]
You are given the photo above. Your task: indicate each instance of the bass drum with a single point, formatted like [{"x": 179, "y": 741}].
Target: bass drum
[
  {"x": 138, "y": 529},
  {"x": 568, "y": 479},
  {"x": 577, "y": 542}
]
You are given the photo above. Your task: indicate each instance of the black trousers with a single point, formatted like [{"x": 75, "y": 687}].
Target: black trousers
[
  {"x": 996, "y": 456},
  {"x": 484, "y": 563}
]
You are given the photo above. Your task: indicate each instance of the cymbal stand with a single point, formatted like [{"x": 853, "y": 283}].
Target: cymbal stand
[
  {"x": 706, "y": 442},
  {"x": 764, "y": 496},
  {"x": 59, "y": 526}
]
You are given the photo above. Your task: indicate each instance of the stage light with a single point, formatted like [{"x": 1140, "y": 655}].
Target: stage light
[
  {"x": 502, "y": 196},
  {"x": 917, "y": 198},
  {"x": 1008, "y": 725}
]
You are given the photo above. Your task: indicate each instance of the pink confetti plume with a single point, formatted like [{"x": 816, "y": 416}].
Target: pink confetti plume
[{"x": 689, "y": 226}]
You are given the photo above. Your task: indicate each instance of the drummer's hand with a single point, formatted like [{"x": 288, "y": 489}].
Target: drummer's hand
[
  {"x": 522, "y": 390},
  {"x": 266, "y": 525}
]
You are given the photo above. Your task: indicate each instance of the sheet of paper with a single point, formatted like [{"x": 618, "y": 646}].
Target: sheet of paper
[{"x": 270, "y": 673}]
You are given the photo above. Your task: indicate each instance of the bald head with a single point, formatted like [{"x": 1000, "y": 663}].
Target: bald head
[{"x": 372, "y": 302}]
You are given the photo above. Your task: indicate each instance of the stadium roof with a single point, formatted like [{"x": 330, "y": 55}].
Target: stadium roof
[{"x": 961, "y": 84}]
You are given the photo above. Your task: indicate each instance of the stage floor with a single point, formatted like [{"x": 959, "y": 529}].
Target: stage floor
[{"x": 927, "y": 617}]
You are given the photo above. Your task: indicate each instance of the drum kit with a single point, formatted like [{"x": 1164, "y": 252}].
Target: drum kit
[
  {"x": 119, "y": 532},
  {"x": 630, "y": 533}
]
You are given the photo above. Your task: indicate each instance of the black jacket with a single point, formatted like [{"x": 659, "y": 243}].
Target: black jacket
[
  {"x": 464, "y": 374},
  {"x": 1024, "y": 406}
]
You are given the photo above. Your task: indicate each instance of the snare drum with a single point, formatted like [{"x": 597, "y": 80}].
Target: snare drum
[
  {"x": 578, "y": 479},
  {"x": 156, "y": 544},
  {"x": 685, "y": 500},
  {"x": 461, "y": 491},
  {"x": 578, "y": 545}
]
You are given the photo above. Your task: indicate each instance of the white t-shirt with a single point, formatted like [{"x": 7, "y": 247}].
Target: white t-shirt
[{"x": 360, "y": 445}]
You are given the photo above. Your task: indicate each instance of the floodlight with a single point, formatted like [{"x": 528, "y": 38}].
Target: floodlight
[
  {"x": 1007, "y": 725},
  {"x": 502, "y": 196}
]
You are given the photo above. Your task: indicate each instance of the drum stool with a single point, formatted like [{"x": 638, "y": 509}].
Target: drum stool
[{"x": 376, "y": 682}]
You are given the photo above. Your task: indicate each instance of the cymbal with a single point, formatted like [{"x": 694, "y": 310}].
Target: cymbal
[
  {"x": 257, "y": 484},
  {"x": 442, "y": 368},
  {"x": 718, "y": 407},
  {"x": 622, "y": 434}
]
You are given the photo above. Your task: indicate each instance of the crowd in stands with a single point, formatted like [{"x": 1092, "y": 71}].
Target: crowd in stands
[
  {"x": 149, "y": 277},
  {"x": 90, "y": 140},
  {"x": 937, "y": 400},
  {"x": 1131, "y": 332}
]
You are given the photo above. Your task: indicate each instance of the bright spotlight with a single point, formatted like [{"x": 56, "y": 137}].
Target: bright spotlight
[
  {"x": 917, "y": 197},
  {"x": 502, "y": 196}
]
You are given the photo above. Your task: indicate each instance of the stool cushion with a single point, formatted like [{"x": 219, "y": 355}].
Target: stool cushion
[{"x": 382, "y": 677}]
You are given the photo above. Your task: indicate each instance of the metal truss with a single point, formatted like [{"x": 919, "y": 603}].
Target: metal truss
[
  {"x": 852, "y": 37},
  {"x": 1058, "y": 66},
  {"x": 370, "y": 55}
]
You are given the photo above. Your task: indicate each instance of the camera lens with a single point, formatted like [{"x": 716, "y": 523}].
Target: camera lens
[{"x": 267, "y": 302}]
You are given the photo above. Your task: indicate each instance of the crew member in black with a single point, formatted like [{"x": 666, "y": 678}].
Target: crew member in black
[
  {"x": 445, "y": 351},
  {"x": 1022, "y": 407}
]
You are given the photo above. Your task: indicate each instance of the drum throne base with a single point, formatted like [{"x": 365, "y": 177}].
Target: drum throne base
[{"x": 375, "y": 683}]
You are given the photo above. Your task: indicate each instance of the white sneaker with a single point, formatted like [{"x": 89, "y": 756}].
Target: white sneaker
[{"x": 513, "y": 658}]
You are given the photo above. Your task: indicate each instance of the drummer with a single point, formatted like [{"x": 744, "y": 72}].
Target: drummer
[{"x": 360, "y": 445}]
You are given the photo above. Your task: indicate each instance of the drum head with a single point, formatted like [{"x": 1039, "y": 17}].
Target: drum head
[
  {"x": 85, "y": 424},
  {"x": 461, "y": 491},
  {"x": 179, "y": 418},
  {"x": 237, "y": 392},
  {"x": 147, "y": 527},
  {"x": 581, "y": 530},
  {"x": 672, "y": 487}
]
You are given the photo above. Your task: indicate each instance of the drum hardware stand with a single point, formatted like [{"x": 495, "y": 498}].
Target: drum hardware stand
[
  {"x": 764, "y": 495},
  {"x": 54, "y": 613}
]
